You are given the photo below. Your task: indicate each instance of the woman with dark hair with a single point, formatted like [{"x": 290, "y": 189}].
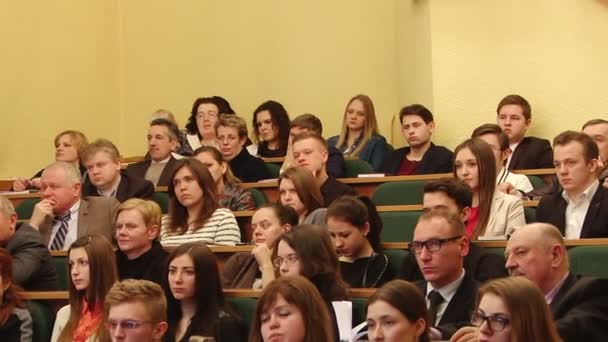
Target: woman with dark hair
[
  {"x": 200, "y": 129},
  {"x": 359, "y": 136},
  {"x": 513, "y": 309},
  {"x": 290, "y": 309},
  {"x": 15, "y": 319},
  {"x": 255, "y": 269},
  {"x": 92, "y": 267},
  {"x": 307, "y": 251},
  {"x": 299, "y": 190},
  {"x": 194, "y": 211},
  {"x": 231, "y": 195},
  {"x": 195, "y": 300},
  {"x": 270, "y": 130},
  {"x": 397, "y": 313},
  {"x": 354, "y": 227},
  {"x": 494, "y": 214}
]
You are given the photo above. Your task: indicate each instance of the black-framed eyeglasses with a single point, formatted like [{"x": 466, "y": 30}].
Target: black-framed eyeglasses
[
  {"x": 126, "y": 324},
  {"x": 496, "y": 322},
  {"x": 432, "y": 245}
]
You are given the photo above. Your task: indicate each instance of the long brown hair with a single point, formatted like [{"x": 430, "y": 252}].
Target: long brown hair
[
  {"x": 529, "y": 314},
  {"x": 11, "y": 298},
  {"x": 486, "y": 171},
  {"x": 306, "y": 185},
  {"x": 299, "y": 292},
  {"x": 102, "y": 275},
  {"x": 177, "y": 212},
  {"x": 369, "y": 129}
]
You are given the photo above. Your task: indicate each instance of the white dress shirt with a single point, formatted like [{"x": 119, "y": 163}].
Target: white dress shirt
[
  {"x": 577, "y": 210},
  {"x": 512, "y": 147},
  {"x": 72, "y": 233}
]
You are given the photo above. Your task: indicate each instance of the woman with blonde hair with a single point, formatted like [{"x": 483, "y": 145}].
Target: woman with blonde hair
[
  {"x": 360, "y": 137},
  {"x": 92, "y": 268},
  {"x": 513, "y": 309},
  {"x": 299, "y": 189}
]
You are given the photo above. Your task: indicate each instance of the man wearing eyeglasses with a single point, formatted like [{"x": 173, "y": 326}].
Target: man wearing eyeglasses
[
  {"x": 440, "y": 246},
  {"x": 136, "y": 311}
]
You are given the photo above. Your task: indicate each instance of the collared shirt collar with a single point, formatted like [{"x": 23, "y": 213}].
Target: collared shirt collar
[
  {"x": 551, "y": 294},
  {"x": 164, "y": 161},
  {"x": 111, "y": 192},
  {"x": 585, "y": 195},
  {"x": 448, "y": 291}
]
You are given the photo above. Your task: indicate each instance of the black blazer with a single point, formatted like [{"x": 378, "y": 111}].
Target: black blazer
[
  {"x": 552, "y": 209},
  {"x": 437, "y": 159},
  {"x": 129, "y": 187},
  {"x": 458, "y": 312},
  {"x": 138, "y": 170},
  {"x": 532, "y": 153},
  {"x": 580, "y": 309}
]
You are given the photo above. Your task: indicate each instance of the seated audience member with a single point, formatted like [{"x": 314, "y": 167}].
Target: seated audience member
[
  {"x": 92, "y": 268},
  {"x": 421, "y": 156},
  {"x": 194, "y": 211},
  {"x": 270, "y": 130},
  {"x": 15, "y": 319},
  {"x": 231, "y": 131},
  {"x": 104, "y": 175},
  {"x": 299, "y": 190},
  {"x": 196, "y": 304},
  {"x": 514, "y": 116},
  {"x": 397, "y": 313},
  {"x": 513, "y": 309},
  {"x": 68, "y": 148},
  {"x": 580, "y": 210},
  {"x": 136, "y": 310},
  {"x": 231, "y": 195},
  {"x": 334, "y": 166},
  {"x": 200, "y": 129},
  {"x": 307, "y": 251},
  {"x": 162, "y": 141},
  {"x": 506, "y": 181},
  {"x": 494, "y": 214},
  {"x": 440, "y": 245},
  {"x": 63, "y": 215},
  {"x": 32, "y": 268},
  {"x": 354, "y": 227},
  {"x": 360, "y": 137},
  {"x": 290, "y": 309},
  {"x": 456, "y": 197},
  {"x": 310, "y": 152},
  {"x": 255, "y": 269},
  {"x": 597, "y": 129},
  {"x": 137, "y": 229},
  {"x": 579, "y": 304},
  {"x": 183, "y": 149}
]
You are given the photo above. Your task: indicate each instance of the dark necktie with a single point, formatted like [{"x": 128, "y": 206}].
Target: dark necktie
[
  {"x": 59, "y": 239},
  {"x": 435, "y": 300}
]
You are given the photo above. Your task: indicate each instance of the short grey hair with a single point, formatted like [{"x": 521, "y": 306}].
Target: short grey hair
[
  {"x": 6, "y": 206},
  {"x": 71, "y": 172}
]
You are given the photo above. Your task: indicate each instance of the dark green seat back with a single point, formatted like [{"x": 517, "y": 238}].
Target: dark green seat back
[
  {"x": 25, "y": 209},
  {"x": 537, "y": 181},
  {"x": 398, "y": 226},
  {"x": 359, "y": 310},
  {"x": 589, "y": 260},
  {"x": 356, "y": 167},
  {"x": 258, "y": 197},
  {"x": 398, "y": 193},
  {"x": 274, "y": 169},
  {"x": 60, "y": 263},
  {"x": 530, "y": 214},
  {"x": 396, "y": 257},
  {"x": 244, "y": 307},
  {"x": 162, "y": 199},
  {"x": 43, "y": 320},
  {"x": 496, "y": 250}
]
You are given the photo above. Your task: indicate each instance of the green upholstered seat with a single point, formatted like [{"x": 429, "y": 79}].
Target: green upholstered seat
[
  {"x": 359, "y": 310},
  {"x": 399, "y": 193},
  {"x": 530, "y": 214},
  {"x": 396, "y": 257},
  {"x": 60, "y": 263},
  {"x": 537, "y": 181},
  {"x": 162, "y": 199},
  {"x": 258, "y": 197},
  {"x": 244, "y": 307},
  {"x": 274, "y": 169},
  {"x": 496, "y": 250},
  {"x": 25, "y": 209},
  {"x": 43, "y": 320},
  {"x": 356, "y": 167},
  {"x": 398, "y": 226},
  {"x": 589, "y": 260}
]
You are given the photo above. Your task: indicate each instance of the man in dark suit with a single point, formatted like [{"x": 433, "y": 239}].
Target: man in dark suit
[
  {"x": 32, "y": 269},
  {"x": 162, "y": 141},
  {"x": 514, "y": 116},
  {"x": 580, "y": 210},
  {"x": 579, "y": 304},
  {"x": 104, "y": 176},
  {"x": 421, "y": 156},
  {"x": 440, "y": 245},
  {"x": 63, "y": 215},
  {"x": 455, "y": 196}
]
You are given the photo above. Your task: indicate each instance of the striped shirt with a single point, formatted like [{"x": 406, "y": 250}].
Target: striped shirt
[{"x": 220, "y": 229}]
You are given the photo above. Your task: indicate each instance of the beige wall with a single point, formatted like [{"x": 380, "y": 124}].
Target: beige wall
[{"x": 103, "y": 66}]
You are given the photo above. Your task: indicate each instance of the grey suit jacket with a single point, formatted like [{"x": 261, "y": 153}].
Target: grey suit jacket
[
  {"x": 95, "y": 216},
  {"x": 32, "y": 268}
]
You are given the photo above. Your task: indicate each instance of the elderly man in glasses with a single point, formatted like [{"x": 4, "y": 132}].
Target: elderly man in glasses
[
  {"x": 136, "y": 310},
  {"x": 440, "y": 246}
]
